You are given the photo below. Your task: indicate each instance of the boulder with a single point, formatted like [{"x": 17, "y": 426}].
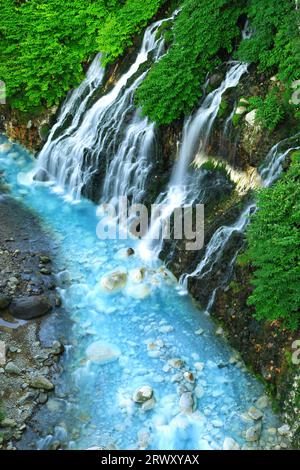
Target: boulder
[
  {"x": 12, "y": 368},
  {"x": 27, "y": 308},
  {"x": 254, "y": 413},
  {"x": 143, "y": 394},
  {"x": 149, "y": 404},
  {"x": 262, "y": 402},
  {"x": 253, "y": 433}
]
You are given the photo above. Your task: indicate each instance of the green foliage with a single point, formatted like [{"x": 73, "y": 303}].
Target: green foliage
[
  {"x": 118, "y": 29},
  {"x": 273, "y": 248},
  {"x": 271, "y": 111},
  {"x": 212, "y": 166},
  {"x": 44, "y": 44},
  {"x": 275, "y": 43},
  {"x": 202, "y": 32},
  {"x": 223, "y": 108}
]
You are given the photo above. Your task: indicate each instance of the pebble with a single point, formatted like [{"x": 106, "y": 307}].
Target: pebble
[
  {"x": 149, "y": 404},
  {"x": 27, "y": 398},
  {"x": 262, "y": 402},
  {"x": 186, "y": 402},
  {"x": 253, "y": 433},
  {"x": 143, "y": 394},
  {"x": 102, "y": 352},
  {"x": 57, "y": 348},
  {"x": 42, "y": 398},
  {"x": 219, "y": 331},
  {"x": 189, "y": 377},
  {"x": 284, "y": 430},
  {"x": 254, "y": 413},
  {"x": 176, "y": 363}
]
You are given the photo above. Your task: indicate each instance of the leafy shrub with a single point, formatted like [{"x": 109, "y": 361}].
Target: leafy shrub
[
  {"x": 273, "y": 248},
  {"x": 270, "y": 111},
  {"x": 203, "y": 31}
]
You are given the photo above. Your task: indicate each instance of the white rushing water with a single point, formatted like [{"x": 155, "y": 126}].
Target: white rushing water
[
  {"x": 214, "y": 251},
  {"x": 196, "y": 133},
  {"x": 111, "y": 128}
]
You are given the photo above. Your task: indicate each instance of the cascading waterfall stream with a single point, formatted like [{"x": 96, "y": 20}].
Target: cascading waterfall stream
[
  {"x": 196, "y": 133},
  {"x": 103, "y": 132},
  {"x": 144, "y": 333},
  {"x": 269, "y": 172}
]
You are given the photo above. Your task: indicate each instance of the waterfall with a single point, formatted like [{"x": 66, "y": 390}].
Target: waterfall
[
  {"x": 110, "y": 130},
  {"x": 196, "y": 133},
  {"x": 216, "y": 246},
  {"x": 269, "y": 172}
]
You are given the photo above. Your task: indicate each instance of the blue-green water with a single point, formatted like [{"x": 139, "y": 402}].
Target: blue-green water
[{"x": 148, "y": 339}]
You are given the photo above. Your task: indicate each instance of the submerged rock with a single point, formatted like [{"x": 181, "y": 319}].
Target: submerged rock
[
  {"x": 186, "y": 402},
  {"x": 149, "y": 404},
  {"x": 27, "y": 308},
  {"x": 284, "y": 430},
  {"x": 254, "y": 413},
  {"x": 230, "y": 444},
  {"x": 253, "y": 433},
  {"x": 102, "y": 352},
  {"x": 143, "y": 394},
  {"x": 262, "y": 402},
  {"x": 114, "y": 281}
]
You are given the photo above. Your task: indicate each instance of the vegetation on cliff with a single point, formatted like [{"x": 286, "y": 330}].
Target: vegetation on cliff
[
  {"x": 203, "y": 34},
  {"x": 45, "y": 45},
  {"x": 273, "y": 248}
]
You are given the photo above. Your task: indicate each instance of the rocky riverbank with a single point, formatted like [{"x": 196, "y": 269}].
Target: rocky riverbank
[{"x": 27, "y": 292}]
